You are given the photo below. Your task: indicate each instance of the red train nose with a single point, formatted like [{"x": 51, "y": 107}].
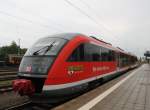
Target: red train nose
[{"x": 23, "y": 87}]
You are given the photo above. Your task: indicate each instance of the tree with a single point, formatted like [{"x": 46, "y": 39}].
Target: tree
[
  {"x": 11, "y": 49},
  {"x": 23, "y": 50}
]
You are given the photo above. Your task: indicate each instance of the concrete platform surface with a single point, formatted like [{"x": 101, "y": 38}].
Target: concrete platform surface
[{"x": 132, "y": 94}]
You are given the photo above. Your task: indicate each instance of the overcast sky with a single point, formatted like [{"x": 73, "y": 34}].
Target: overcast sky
[{"x": 124, "y": 23}]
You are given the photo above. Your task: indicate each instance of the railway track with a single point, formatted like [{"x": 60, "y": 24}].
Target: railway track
[
  {"x": 8, "y": 69},
  {"x": 7, "y": 74},
  {"x": 6, "y": 88},
  {"x": 20, "y": 106},
  {"x": 7, "y": 77},
  {"x": 30, "y": 106}
]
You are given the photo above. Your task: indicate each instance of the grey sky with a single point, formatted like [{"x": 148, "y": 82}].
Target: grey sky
[{"x": 124, "y": 23}]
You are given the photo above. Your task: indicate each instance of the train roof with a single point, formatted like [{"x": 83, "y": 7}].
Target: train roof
[
  {"x": 67, "y": 36},
  {"x": 109, "y": 45}
]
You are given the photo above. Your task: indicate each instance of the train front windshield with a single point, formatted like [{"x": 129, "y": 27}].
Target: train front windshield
[{"x": 41, "y": 55}]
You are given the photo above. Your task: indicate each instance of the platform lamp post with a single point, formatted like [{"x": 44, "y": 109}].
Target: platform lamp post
[{"x": 19, "y": 46}]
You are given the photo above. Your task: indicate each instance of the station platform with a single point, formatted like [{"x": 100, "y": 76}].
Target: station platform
[{"x": 131, "y": 91}]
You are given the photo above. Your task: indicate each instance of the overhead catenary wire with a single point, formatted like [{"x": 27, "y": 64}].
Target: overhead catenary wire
[
  {"x": 91, "y": 9},
  {"x": 87, "y": 15},
  {"x": 104, "y": 25},
  {"x": 81, "y": 11},
  {"x": 43, "y": 17},
  {"x": 29, "y": 21},
  {"x": 47, "y": 26}
]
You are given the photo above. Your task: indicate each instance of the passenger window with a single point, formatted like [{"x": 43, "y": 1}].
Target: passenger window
[
  {"x": 111, "y": 55},
  {"x": 78, "y": 54},
  {"x": 92, "y": 52},
  {"x": 107, "y": 55},
  {"x": 104, "y": 54}
]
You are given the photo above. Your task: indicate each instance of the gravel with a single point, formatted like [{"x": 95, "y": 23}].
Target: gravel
[{"x": 8, "y": 99}]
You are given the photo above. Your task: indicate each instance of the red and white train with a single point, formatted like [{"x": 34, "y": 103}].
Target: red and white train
[{"x": 62, "y": 65}]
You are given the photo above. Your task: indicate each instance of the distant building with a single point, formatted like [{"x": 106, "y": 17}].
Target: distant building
[{"x": 14, "y": 58}]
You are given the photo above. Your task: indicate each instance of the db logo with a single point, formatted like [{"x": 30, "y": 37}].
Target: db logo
[
  {"x": 28, "y": 69},
  {"x": 70, "y": 73}
]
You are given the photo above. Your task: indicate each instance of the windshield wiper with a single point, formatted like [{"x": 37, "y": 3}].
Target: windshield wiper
[{"x": 48, "y": 47}]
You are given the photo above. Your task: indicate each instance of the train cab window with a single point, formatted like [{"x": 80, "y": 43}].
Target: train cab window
[
  {"x": 78, "y": 54},
  {"x": 46, "y": 46}
]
